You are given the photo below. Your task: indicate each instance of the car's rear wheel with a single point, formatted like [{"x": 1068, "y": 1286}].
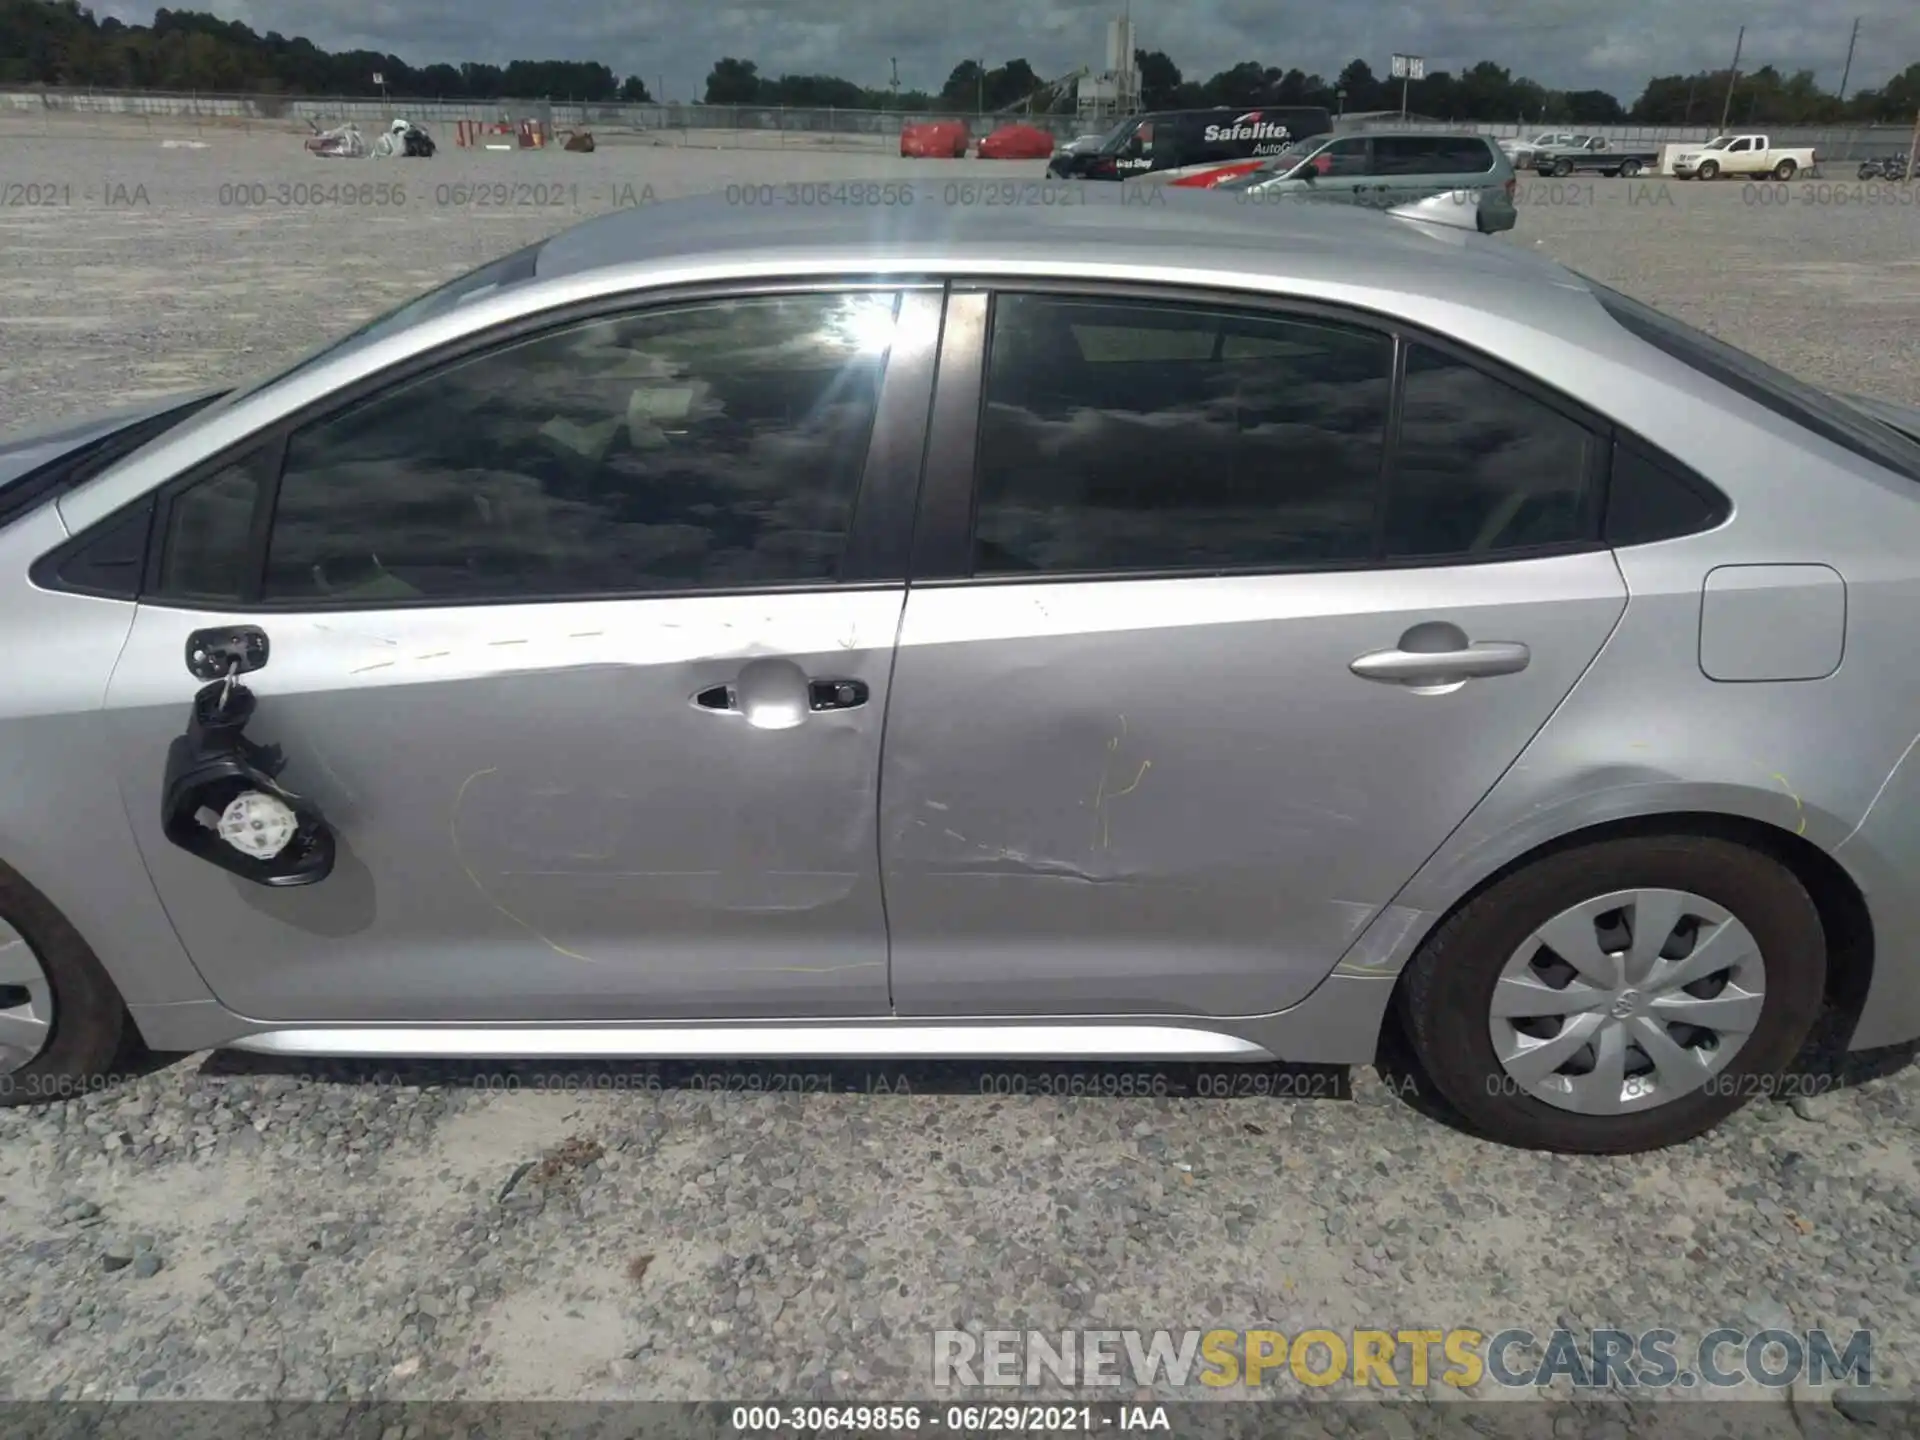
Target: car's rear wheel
[
  {"x": 1629, "y": 169},
  {"x": 1784, "y": 170},
  {"x": 61, "y": 1020},
  {"x": 1709, "y": 169},
  {"x": 1618, "y": 996}
]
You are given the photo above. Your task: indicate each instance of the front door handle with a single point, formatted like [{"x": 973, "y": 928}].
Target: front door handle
[
  {"x": 836, "y": 694},
  {"x": 821, "y": 695},
  {"x": 776, "y": 694}
]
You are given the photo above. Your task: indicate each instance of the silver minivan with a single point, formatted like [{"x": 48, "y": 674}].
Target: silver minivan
[{"x": 1388, "y": 169}]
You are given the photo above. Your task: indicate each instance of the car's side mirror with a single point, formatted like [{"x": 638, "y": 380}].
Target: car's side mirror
[{"x": 221, "y": 801}]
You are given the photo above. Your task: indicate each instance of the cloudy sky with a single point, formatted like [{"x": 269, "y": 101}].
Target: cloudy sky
[{"x": 1574, "y": 44}]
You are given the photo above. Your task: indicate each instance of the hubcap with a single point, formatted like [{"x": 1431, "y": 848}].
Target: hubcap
[
  {"x": 1627, "y": 1001},
  {"x": 26, "y": 1001}
]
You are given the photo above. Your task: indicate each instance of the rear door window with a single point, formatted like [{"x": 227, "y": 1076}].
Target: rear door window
[
  {"x": 1406, "y": 155},
  {"x": 1137, "y": 436},
  {"x": 1483, "y": 467}
]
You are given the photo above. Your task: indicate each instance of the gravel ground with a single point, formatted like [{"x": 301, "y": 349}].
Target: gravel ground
[{"x": 226, "y": 1227}]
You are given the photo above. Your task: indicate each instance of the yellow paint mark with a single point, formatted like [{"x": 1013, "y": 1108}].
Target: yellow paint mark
[
  {"x": 1786, "y": 785},
  {"x": 377, "y": 665},
  {"x": 434, "y": 655},
  {"x": 1145, "y": 765},
  {"x": 453, "y": 834},
  {"x": 506, "y": 642},
  {"x": 1102, "y": 795}
]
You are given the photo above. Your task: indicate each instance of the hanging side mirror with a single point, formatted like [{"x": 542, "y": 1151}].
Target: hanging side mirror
[{"x": 222, "y": 801}]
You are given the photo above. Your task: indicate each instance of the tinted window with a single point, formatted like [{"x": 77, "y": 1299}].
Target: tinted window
[
  {"x": 1465, "y": 155},
  {"x": 205, "y": 553},
  {"x": 109, "y": 562},
  {"x": 715, "y": 445},
  {"x": 1649, "y": 498},
  {"x": 1831, "y": 419},
  {"x": 1405, "y": 155},
  {"x": 1343, "y": 157},
  {"x": 1146, "y": 437},
  {"x": 1482, "y": 467},
  {"x": 1431, "y": 155}
]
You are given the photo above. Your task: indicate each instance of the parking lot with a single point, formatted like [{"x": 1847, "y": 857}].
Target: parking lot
[{"x": 228, "y": 1227}]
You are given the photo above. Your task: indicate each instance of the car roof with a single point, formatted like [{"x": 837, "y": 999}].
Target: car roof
[
  {"x": 1228, "y": 110},
  {"x": 990, "y": 223},
  {"x": 1411, "y": 134}
]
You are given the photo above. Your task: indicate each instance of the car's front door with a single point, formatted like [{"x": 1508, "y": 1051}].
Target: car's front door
[
  {"x": 581, "y": 644},
  {"x": 1191, "y": 681},
  {"x": 1344, "y": 170}
]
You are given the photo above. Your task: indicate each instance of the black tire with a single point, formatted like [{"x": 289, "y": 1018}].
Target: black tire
[
  {"x": 89, "y": 1018},
  {"x": 1784, "y": 170},
  {"x": 1709, "y": 169},
  {"x": 1447, "y": 991},
  {"x": 1563, "y": 168},
  {"x": 1629, "y": 169}
]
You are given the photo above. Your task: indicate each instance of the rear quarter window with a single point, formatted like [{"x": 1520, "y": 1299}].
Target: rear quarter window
[
  {"x": 1466, "y": 156},
  {"x": 1652, "y": 497}
]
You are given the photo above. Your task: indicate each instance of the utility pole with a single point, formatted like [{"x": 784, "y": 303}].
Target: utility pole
[
  {"x": 894, "y": 84},
  {"x": 1732, "y": 76},
  {"x": 1847, "y": 70}
]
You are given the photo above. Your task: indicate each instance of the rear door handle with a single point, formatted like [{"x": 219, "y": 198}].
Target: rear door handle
[{"x": 1440, "y": 667}]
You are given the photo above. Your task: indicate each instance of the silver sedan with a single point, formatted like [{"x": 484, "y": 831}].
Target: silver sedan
[{"x": 918, "y": 627}]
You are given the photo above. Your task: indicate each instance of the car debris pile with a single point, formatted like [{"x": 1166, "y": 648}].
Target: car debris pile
[
  {"x": 345, "y": 142},
  {"x": 404, "y": 138}
]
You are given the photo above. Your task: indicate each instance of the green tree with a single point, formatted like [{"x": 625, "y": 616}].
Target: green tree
[
  {"x": 733, "y": 82},
  {"x": 966, "y": 86},
  {"x": 1362, "y": 90},
  {"x": 1159, "y": 79}
]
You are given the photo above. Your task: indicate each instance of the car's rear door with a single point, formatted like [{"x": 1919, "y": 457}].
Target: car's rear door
[
  {"x": 1191, "y": 677},
  {"x": 1405, "y": 168},
  {"x": 581, "y": 642}
]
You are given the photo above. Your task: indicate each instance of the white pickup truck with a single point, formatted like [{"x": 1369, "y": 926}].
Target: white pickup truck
[{"x": 1741, "y": 155}]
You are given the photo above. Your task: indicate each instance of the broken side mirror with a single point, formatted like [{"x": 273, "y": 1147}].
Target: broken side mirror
[{"x": 222, "y": 802}]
